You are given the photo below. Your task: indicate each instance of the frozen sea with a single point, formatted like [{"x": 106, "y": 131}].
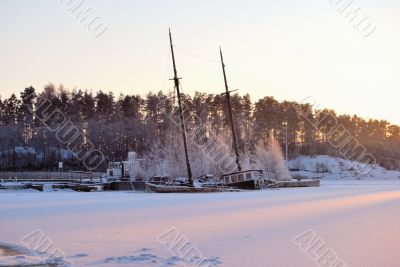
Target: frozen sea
[{"x": 341, "y": 223}]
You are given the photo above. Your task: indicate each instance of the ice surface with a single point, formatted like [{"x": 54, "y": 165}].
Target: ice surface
[{"x": 359, "y": 220}]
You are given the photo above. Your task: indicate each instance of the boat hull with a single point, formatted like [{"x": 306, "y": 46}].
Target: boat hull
[
  {"x": 183, "y": 189},
  {"x": 246, "y": 185}
]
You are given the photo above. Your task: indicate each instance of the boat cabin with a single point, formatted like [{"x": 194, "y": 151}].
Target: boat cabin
[
  {"x": 114, "y": 170},
  {"x": 249, "y": 179},
  {"x": 117, "y": 170}
]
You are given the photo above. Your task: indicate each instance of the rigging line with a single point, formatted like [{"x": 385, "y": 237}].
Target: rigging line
[
  {"x": 194, "y": 55},
  {"x": 182, "y": 89}
]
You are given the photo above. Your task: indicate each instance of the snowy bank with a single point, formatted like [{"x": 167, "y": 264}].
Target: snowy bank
[{"x": 332, "y": 168}]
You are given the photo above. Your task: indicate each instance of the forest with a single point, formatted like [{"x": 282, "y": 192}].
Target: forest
[{"x": 115, "y": 125}]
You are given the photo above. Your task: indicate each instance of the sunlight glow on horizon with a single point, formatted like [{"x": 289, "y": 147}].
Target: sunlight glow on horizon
[{"x": 287, "y": 50}]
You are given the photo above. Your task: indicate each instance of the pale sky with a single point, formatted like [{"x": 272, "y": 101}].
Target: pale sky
[{"x": 288, "y": 49}]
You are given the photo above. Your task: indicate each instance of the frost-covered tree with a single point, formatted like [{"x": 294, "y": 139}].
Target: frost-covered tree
[{"x": 271, "y": 159}]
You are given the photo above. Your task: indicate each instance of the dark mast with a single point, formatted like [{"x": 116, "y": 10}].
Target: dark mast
[
  {"x": 228, "y": 100},
  {"x": 176, "y": 81}
]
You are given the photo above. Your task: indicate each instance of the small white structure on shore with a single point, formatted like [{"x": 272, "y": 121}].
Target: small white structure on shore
[{"x": 124, "y": 169}]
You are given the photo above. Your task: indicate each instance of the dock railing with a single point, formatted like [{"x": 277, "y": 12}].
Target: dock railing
[{"x": 50, "y": 176}]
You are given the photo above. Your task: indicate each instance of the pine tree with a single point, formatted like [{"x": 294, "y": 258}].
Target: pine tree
[
  {"x": 26, "y": 113},
  {"x": 11, "y": 108}
]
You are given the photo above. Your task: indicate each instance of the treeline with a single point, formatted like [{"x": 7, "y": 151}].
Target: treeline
[{"x": 118, "y": 124}]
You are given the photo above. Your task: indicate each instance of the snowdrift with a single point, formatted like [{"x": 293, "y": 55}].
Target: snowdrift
[{"x": 332, "y": 168}]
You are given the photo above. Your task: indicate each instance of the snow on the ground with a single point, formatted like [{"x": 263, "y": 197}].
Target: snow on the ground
[
  {"x": 327, "y": 167},
  {"x": 358, "y": 220}
]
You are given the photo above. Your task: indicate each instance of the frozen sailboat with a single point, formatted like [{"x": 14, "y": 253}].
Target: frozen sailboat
[
  {"x": 243, "y": 179},
  {"x": 168, "y": 185}
]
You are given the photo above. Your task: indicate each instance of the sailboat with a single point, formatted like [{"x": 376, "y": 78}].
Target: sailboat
[
  {"x": 252, "y": 178},
  {"x": 241, "y": 179},
  {"x": 244, "y": 179},
  {"x": 165, "y": 184}
]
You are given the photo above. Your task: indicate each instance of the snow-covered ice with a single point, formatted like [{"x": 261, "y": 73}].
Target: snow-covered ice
[{"x": 358, "y": 220}]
